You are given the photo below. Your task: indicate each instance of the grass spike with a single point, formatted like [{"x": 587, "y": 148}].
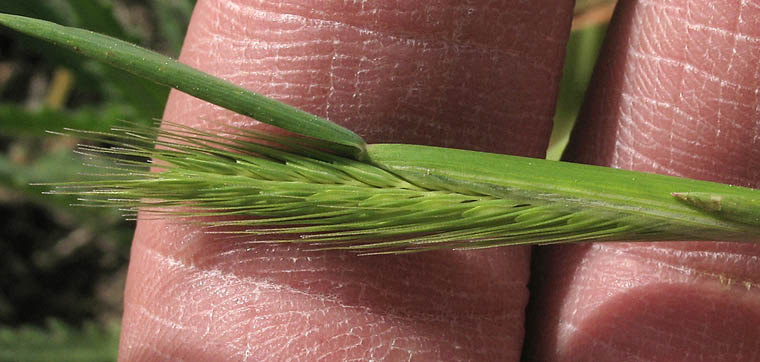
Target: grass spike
[
  {"x": 333, "y": 190},
  {"x": 404, "y": 199}
]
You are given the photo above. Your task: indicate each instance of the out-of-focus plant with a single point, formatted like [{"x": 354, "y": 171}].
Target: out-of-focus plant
[
  {"x": 589, "y": 27},
  {"x": 59, "y": 263},
  {"x": 60, "y": 342}
]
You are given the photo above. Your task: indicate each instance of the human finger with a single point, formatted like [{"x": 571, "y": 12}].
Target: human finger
[{"x": 675, "y": 92}]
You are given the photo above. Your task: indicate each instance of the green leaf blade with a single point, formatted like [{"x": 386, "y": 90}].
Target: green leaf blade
[{"x": 170, "y": 72}]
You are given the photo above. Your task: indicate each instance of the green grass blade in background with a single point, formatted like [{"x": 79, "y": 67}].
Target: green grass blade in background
[
  {"x": 582, "y": 6},
  {"x": 582, "y": 51},
  {"x": 589, "y": 28},
  {"x": 167, "y": 71}
]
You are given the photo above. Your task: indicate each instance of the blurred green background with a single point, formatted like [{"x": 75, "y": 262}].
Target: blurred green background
[{"x": 62, "y": 268}]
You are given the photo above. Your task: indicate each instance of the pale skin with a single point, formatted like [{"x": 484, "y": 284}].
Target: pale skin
[{"x": 676, "y": 92}]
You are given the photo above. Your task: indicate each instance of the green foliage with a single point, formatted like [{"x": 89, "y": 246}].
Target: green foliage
[
  {"x": 57, "y": 270},
  {"x": 61, "y": 342},
  {"x": 582, "y": 50},
  {"x": 30, "y": 122},
  {"x": 61, "y": 262},
  {"x": 167, "y": 71},
  {"x": 95, "y": 97},
  {"x": 94, "y": 83},
  {"x": 585, "y": 5}
]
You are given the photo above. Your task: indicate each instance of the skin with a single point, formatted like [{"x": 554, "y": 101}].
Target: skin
[{"x": 676, "y": 93}]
